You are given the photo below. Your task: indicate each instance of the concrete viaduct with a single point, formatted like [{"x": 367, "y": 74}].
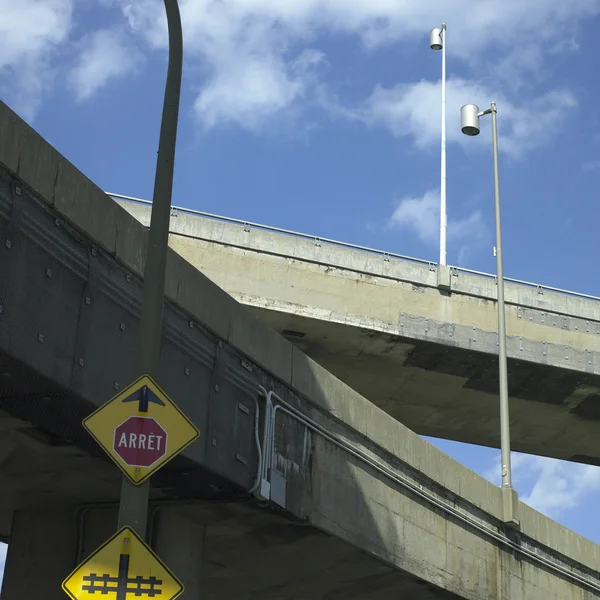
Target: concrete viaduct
[{"x": 298, "y": 487}]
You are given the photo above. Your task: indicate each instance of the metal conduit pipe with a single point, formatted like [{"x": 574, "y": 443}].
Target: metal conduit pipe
[
  {"x": 261, "y": 392},
  {"x": 80, "y": 526}
]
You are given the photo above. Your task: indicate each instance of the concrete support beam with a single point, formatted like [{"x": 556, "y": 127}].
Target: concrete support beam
[
  {"x": 180, "y": 542},
  {"x": 41, "y": 553}
]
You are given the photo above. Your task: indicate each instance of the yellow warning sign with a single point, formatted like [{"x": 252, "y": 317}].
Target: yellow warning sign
[
  {"x": 123, "y": 568},
  {"x": 141, "y": 429}
]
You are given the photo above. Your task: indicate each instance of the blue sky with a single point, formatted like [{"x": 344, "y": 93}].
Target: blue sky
[{"x": 323, "y": 116}]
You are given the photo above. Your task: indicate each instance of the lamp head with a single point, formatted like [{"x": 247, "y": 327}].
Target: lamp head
[
  {"x": 469, "y": 119},
  {"x": 435, "y": 39}
]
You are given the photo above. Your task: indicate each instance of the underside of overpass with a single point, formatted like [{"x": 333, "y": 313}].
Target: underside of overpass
[
  {"x": 452, "y": 393},
  {"x": 57, "y": 504}
]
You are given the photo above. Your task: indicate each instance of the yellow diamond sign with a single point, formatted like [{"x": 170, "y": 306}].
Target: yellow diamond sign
[
  {"x": 123, "y": 568},
  {"x": 141, "y": 429}
]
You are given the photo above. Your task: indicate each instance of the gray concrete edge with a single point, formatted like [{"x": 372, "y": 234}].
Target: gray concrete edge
[
  {"x": 450, "y": 334},
  {"x": 380, "y": 265}
]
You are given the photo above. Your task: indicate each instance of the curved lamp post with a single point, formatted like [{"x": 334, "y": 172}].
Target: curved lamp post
[
  {"x": 437, "y": 41},
  {"x": 470, "y": 115},
  {"x": 133, "y": 509}
]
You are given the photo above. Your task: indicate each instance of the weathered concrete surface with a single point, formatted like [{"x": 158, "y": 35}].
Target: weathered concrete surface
[
  {"x": 425, "y": 355},
  {"x": 398, "y": 508}
]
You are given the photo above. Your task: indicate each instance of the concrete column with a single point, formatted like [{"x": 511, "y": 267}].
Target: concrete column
[
  {"x": 179, "y": 541},
  {"x": 40, "y": 555}
]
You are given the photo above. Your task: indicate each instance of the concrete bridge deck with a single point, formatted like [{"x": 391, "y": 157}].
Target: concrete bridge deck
[
  {"x": 417, "y": 340},
  {"x": 298, "y": 487}
]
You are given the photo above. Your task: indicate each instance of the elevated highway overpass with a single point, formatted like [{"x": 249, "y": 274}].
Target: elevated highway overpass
[
  {"x": 418, "y": 340},
  {"x": 298, "y": 487}
]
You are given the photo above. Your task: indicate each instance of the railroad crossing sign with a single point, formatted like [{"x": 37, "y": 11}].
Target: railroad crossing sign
[
  {"x": 123, "y": 568},
  {"x": 141, "y": 429}
]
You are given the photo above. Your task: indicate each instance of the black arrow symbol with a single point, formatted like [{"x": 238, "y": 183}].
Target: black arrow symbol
[{"x": 144, "y": 396}]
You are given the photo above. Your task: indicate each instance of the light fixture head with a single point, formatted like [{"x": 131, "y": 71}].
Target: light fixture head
[
  {"x": 435, "y": 39},
  {"x": 469, "y": 119}
]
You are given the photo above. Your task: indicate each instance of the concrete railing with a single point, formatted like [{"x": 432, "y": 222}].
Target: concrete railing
[{"x": 386, "y": 255}]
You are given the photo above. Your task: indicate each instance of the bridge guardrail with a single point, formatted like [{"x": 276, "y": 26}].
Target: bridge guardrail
[{"x": 386, "y": 255}]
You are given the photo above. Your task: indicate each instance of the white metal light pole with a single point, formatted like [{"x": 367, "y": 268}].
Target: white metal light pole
[
  {"x": 470, "y": 114},
  {"x": 437, "y": 39}
]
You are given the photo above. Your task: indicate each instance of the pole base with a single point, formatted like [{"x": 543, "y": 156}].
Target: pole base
[
  {"x": 444, "y": 278},
  {"x": 510, "y": 507}
]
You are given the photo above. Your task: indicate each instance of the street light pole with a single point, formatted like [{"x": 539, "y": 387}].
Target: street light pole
[
  {"x": 470, "y": 126},
  {"x": 438, "y": 42},
  {"x": 133, "y": 509},
  {"x": 504, "y": 415}
]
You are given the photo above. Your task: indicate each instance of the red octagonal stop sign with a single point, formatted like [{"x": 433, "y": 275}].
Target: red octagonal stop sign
[{"x": 140, "y": 441}]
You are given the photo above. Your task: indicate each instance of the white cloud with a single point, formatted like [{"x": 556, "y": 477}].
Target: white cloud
[
  {"x": 251, "y": 91},
  {"x": 30, "y": 28},
  {"x": 419, "y": 214},
  {"x": 549, "y": 485},
  {"x": 523, "y": 66},
  {"x": 489, "y": 24},
  {"x": 255, "y": 58},
  {"x": 415, "y": 110},
  {"x": 30, "y": 33},
  {"x": 422, "y": 215},
  {"x": 104, "y": 56},
  {"x": 249, "y": 47}
]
